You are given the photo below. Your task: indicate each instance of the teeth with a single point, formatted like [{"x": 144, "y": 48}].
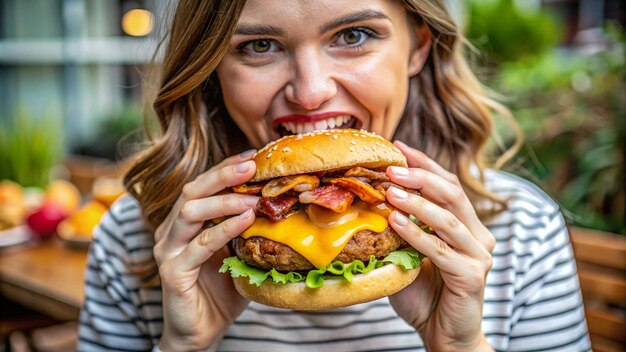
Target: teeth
[
  {"x": 332, "y": 122},
  {"x": 309, "y": 127}
]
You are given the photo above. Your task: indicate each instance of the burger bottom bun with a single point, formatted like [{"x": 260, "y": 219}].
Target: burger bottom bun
[{"x": 376, "y": 284}]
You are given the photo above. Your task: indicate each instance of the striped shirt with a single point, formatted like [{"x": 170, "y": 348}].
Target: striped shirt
[{"x": 532, "y": 297}]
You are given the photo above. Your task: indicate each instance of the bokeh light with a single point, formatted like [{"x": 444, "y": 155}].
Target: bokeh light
[{"x": 137, "y": 22}]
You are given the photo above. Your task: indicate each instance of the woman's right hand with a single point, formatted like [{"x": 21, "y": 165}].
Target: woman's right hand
[{"x": 199, "y": 303}]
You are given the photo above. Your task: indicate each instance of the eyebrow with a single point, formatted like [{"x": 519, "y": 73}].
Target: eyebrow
[
  {"x": 364, "y": 15},
  {"x": 266, "y": 30},
  {"x": 260, "y": 30}
]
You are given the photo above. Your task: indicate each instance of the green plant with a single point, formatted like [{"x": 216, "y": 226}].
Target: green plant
[
  {"x": 571, "y": 109},
  {"x": 29, "y": 148},
  {"x": 117, "y": 136},
  {"x": 505, "y": 33}
]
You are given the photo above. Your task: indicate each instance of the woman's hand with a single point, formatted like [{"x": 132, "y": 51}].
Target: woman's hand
[
  {"x": 445, "y": 302},
  {"x": 198, "y": 302}
]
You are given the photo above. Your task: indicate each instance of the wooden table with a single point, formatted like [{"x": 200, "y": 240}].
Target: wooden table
[{"x": 46, "y": 276}]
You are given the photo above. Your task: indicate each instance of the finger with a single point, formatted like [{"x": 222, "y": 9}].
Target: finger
[
  {"x": 448, "y": 195},
  {"x": 447, "y": 226},
  {"x": 215, "y": 180},
  {"x": 209, "y": 241},
  {"x": 234, "y": 159},
  {"x": 439, "y": 252},
  {"x": 416, "y": 158},
  {"x": 195, "y": 212},
  {"x": 193, "y": 190},
  {"x": 200, "y": 210},
  {"x": 177, "y": 229}
]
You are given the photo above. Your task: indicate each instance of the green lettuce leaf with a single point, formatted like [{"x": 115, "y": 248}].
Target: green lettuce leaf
[{"x": 407, "y": 258}]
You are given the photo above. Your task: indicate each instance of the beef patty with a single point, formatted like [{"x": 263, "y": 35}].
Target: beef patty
[{"x": 266, "y": 254}]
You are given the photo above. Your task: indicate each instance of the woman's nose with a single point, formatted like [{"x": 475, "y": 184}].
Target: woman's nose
[{"x": 312, "y": 82}]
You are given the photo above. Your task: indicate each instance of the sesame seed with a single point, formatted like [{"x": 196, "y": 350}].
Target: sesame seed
[
  {"x": 366, "y": 148},
  {"x": 356, "y": 134},
  {"x": 352, "y": 142},
  {"x": 351, "y": 149},
  {"x": 269, "y": 155},
  {"x": 286, "y": 150},
  {"x": 335, "y": 136},
  {"x": 364, "y": 136}
]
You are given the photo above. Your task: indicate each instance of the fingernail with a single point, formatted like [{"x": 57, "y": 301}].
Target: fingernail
[
  {"x": 243, "y": 167},
  {"x": 246, "y": 214},
  {"x": 402, "y": 144},
  {"x": 400, "y": 218},
  {"x": 247, "y": 154},
  {"x": 398, "y": 193},
  {"x": 250, "y": 201},
  {"x": 399, "y": 171}
]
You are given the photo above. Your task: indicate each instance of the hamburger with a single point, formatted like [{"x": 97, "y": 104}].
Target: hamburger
[{"x": 321, "y": 239}]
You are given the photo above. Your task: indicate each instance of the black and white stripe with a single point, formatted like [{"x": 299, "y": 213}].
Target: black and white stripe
[{"x": 532, "y": 298}]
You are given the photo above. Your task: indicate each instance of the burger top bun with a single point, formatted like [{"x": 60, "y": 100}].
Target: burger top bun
[
  {"x": 323, "y": 151},
  {"x": 376, "y": 284}
]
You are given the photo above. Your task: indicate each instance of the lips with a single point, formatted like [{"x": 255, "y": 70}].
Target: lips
[{"x": 295, "y": 124}]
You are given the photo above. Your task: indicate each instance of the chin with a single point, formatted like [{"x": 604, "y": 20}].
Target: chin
[{"x": 321, "y": 239}]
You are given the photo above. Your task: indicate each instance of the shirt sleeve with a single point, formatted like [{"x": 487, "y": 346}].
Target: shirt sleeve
[
  {"x": 109, "y": 318},
  {"x": 548, "y": 313}
]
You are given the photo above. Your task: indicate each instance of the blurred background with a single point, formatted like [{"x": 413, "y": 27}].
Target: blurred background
[{"x": 71, "y": 114}]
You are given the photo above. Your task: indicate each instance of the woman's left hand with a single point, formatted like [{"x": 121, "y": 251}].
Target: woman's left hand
[{"x": 445, "y": 302}]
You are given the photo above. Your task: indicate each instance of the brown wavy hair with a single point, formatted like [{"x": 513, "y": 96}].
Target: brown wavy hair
[{"x": 448, "y": 115}]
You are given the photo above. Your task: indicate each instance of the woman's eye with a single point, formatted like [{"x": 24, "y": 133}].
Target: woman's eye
[
  {"x": 257, "y": 46},
  {"x": 353, "y": 37},
  {"x": 261, "y": 46}
]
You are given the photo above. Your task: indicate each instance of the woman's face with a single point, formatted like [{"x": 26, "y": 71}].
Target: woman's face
[{"x": 297, "y": 66}]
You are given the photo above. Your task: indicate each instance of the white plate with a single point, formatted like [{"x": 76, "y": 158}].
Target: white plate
[{"x": 14, "y": 235}]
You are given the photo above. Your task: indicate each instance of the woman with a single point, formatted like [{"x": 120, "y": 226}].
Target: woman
[{"x": 500, "y": 275}]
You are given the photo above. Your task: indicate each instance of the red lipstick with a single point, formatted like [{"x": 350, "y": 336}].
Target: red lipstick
[{"x": 306, "y": 118}]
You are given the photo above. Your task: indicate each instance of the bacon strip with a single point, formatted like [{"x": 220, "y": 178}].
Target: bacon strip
[
  {"x": 248, "y": 189},
  {"x": 366, "y": 192},
  {"x": 276, "y": 208},
  {"x": 331, "y": 197},
  {"x": 281, "y": 185},
  {"x": 367, "y": 173}
]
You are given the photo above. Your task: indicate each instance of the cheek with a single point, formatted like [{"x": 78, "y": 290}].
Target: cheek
[
  {"x": 381, "y": 87},
  {"x": 247, "y": 96},
  {"x": 238, "y": 87}
]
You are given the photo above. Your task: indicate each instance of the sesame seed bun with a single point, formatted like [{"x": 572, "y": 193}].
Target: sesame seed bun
[{"x": 324, "y": 151}]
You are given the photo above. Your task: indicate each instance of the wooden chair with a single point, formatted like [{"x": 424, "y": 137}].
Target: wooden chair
[{"x": 601, "y": 260}]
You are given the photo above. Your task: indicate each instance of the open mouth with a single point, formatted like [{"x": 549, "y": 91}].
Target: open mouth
[{"x": 341, "y": 121}]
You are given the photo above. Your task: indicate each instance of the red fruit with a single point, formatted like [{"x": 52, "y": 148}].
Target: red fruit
[{"x": 44, "y": 221}]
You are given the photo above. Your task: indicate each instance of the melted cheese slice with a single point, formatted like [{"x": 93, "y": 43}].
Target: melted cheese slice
[{"x": 322, "y": 234}]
